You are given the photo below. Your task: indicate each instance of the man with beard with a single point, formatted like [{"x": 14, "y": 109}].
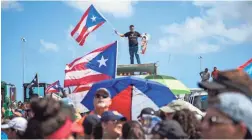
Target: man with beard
[{"x": 102, "y": 101}]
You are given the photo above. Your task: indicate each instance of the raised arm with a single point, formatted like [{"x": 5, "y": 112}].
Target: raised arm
[{"x": 121, "y": 35}]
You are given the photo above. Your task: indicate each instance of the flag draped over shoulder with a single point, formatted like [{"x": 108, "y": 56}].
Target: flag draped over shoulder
[
  {"x": 90, "y": 21},
  {"x": 97, "y": 65},
  {"x": 54, "y": 87}
]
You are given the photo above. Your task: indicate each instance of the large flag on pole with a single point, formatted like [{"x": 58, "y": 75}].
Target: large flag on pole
[
  {"x": 98, "y": 65},
  {"x": 90, "y": 21},
  {"x": 54, "y": 87},
  {"x": 247, "y": 67}
]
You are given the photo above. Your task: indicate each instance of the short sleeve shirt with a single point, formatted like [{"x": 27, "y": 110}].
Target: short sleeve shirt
[{"x": 132, "y": 37}]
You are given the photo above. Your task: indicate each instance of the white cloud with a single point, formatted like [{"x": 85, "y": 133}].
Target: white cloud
[
  {"x": 6, "y": 5},
  {"x": 221, "y": 24},
  {"x": 118, "y": 8},
  {"x": 48, "y": 46}
]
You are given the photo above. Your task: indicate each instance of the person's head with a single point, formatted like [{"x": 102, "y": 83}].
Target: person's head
[
  {"x": 132, "y": 28},
  {"x": 102, "y": 99},
  {"x": 22, "y": 106},
  {"x": 89, "y": 124},
  {"x": 132, "y": 130},
  {"x": 228, "y": 118},
  {"x": 51, "y": 120},
  {"x": 15, "y": 127},
  {"x": 168, "y": 129},
  {"x": 229, "y": 81},
  {"x": 177, "y": 105},
  {"x": 146, "y": 111},
  {"x": 112, "y": 123},
  {"x": 206, "y": 69},
  {"x": 19, "y": 104},
  {"x": 188, "y": 122},
  {"x": 215, "y": 68}
]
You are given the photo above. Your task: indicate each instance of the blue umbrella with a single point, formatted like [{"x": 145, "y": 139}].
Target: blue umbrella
[{"x": 131, "y": 94}]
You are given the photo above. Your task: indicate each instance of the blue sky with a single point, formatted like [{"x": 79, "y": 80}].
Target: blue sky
[{"x": 220, "y": 32}]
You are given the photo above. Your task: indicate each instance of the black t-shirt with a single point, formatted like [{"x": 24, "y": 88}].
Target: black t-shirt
[{"x": 132, "y": 36}]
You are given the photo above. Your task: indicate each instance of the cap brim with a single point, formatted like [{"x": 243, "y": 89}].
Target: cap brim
[
  {"x": 5, "y": 126},
  {"x": 123, "y": 119},
  {"x": 211, "y": 85},
  {"x": 167, "y": 109}
]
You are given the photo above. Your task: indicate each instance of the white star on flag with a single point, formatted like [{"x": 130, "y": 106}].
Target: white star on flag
[
  {"x": 102, "y": 62},
  {"x": 93, "y": 18}
]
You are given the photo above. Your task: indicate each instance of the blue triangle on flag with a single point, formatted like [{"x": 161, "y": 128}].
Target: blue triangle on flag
[
  {"x": 105, "y": 62},
  {"x": 94, "y": 17}
]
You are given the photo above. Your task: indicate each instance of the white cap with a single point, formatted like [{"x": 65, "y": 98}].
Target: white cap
[{"x": 18, "y": 123}]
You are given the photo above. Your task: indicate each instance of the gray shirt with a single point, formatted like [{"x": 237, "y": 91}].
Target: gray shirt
[{"x": 205, "y": 76}]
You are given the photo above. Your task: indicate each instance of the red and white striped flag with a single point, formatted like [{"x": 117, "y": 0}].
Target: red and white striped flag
[{"x": 90, "y": 21}]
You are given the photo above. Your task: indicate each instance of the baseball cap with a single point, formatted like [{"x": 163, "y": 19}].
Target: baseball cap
[
  {"x": 147, "y": 111},
  {"x": 230, "y": 80},
  {"x": 237, "y": 107},
  {"x": 17, "y": 123},
  {"x": 103, "y": 90},
  {"x": 89, "y": 123},
  {"x": 170, "y": 129},
  {"x": 177, "y": 105},
  {"x": 112, "y": 116}
]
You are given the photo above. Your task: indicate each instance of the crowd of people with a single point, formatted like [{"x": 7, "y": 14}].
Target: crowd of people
[{"x": 229, "y": 116}]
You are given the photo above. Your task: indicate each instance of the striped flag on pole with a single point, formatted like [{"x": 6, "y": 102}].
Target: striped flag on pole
[{"x": 90, "y": 21}]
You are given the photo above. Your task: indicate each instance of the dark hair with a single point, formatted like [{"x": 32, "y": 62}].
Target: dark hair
[
  {"x": 131, "y": 26},
  {"x": 97, "y": 131},
  {"x": 132, "y": 130},
  {"x": 189, "y": 123},
  {"x": 161, "y": 114},
  {"x": 49, "y": 115}
]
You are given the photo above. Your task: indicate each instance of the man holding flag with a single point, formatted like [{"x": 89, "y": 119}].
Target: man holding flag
[{"x": 133, "y": 43}]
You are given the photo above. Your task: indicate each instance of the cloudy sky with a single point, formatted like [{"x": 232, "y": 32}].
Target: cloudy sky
[{"x": 220, "y": 32}]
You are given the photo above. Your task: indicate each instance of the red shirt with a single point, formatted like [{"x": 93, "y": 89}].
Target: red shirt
[{"x": 215, "y": 74}]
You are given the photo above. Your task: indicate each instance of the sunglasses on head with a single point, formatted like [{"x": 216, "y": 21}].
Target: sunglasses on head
[{"x": 101, "y": 95}]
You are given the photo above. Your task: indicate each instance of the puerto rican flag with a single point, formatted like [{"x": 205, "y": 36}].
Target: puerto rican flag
[
  {"x": 247, "y": 67},
  {"x": 90, "y": 21},
  {"x": 78, "y": 95},
  {"x": 96, "y": 66},
  {"x": 53, "y": 88}
]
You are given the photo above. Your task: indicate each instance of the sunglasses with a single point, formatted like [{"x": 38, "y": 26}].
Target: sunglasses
[
  {"x": 217, "y": 120},
  {"x": 101, "y": 95}
]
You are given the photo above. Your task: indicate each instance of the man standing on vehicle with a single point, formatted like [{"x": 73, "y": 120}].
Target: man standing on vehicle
[
  {"x": 205, "y": 75},
  {"x": 133, "y": 43}
]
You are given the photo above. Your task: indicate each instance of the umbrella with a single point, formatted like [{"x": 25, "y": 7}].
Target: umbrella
[
  {"x": 176, "y": 86},
  {"x": 130, "y": 95}
]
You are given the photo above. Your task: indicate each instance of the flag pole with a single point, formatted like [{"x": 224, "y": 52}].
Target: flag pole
[
  {"x": 38, "y": 84},
  {"x": 105, "y": 19}
]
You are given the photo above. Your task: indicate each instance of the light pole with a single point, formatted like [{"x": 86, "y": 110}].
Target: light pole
[
  {"x": 23, "y": 40},
  {"x": 200, "y": 58}
]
